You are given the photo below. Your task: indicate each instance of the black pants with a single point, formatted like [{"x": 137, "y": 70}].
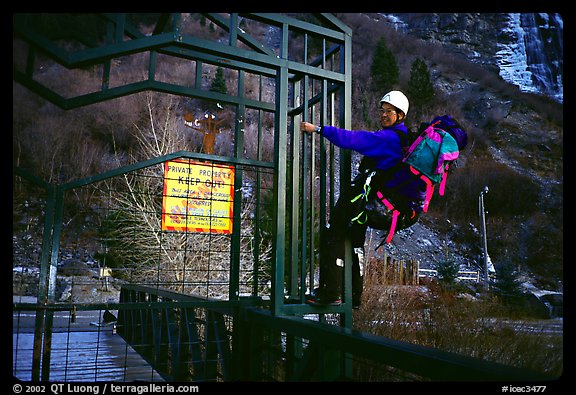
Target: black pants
[
  {"x": 332, "y": 248},
  {"x": 341, "y": 224}
]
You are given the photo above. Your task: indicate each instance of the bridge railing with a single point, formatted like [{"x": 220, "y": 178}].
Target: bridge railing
[
  {"x": 187, "y": 338},
  {"x": 315, "y": 351}
]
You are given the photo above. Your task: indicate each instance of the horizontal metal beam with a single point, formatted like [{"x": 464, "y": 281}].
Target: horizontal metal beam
[
  {"x": 304, "y": 27},
  {"x": 162, "y": 159},
  {"x": 242, "y": 36},
  {"x": 173, "y": 43},
  {"x": 426, "y": 362},
  {"x": 170, "y": 41},
  {"x": 228, "y": 305},
  {"x": 128, "y": 89}
]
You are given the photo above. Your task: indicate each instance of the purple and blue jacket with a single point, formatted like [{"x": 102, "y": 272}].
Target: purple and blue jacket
[{"x": 384, "y": 149}]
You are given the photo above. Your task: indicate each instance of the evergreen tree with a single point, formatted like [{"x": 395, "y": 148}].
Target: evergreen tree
[
  {"x": 420, "y": 88},
  {"x": 219, "y": 83},
  {"x": 447, "y": 271},
  {"x": 507, "y": 280},
  {"x": 384, "y": 68}
]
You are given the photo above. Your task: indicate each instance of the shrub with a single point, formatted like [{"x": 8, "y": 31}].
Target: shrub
[
  {"x": 507, "y": 280},
  {"x": 433, "y": 316},
  {"x": 447, "y": 271},
  {"x": 509, "y": 194}
]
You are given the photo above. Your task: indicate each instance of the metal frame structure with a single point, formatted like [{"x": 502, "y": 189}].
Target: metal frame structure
[
  {"x": 311, "y": 84},
  {"x": 256, "y": 337}
]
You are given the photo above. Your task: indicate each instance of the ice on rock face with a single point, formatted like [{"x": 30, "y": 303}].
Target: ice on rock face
[
  {"x": 512, "y": 56},
  {"x": 529, "y": 49},
  {"x": 532, "y": 59}
]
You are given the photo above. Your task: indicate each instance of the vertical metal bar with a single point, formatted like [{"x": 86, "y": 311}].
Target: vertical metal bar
[
  {"x": 30, "y": 61},
  {"x": 156, "y": 335},
  {"x": 295, "y": 196},
  {"x": 152, "y": 65},
  {"x": 323, "y": 121},
  {"x": 143, "y": 322},
  {"x": 233, "y": 292},
  {"x": 51, "y": 282},
  {"x": 322, "y": 159},
  {"x": 345, "y": 173},
  {"x": 256, "y": 240},
  {"x": 312, "y": 186},
  {"x": 331, "y": 161},
  {"x": 161, "y": 347},
  {"x": 280, "y": 140},
  {"x": 42, "y": 296},
  {"x": 233, "y": 29},
  {"x": 198, "y": 76},
  {"x": 173, "y": 345},
  {"x": 132, "y": 325},
  {"x": 222, "y": 344},
  {"x": 55, "y": 244},
  {"x": 183, "y": 367},
  {"x": 114, "y": 34},
  {"x": 194, "y": 343},
  {"x": 106, "y": 69},
  {"x": 307, "y": 254},
  {"x": 484, "y": 237},
  {"x": 301, "y": 198},
  {"x": 211, "y": 355},
  {"x": 307, "y": 197},
  {"x": 120, "y": 26},
  {"x": 255, "y": 345},
  {"x": 177, "y": 25},
  {"x": 38, "y": 340}
]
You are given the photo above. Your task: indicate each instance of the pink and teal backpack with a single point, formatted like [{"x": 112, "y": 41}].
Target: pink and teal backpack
[{"x": 431, "y": 154}]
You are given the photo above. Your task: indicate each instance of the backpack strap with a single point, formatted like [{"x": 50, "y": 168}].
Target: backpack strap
[
  {"x": 443, "y": 182},
  {"x": 429, "y": 188},
  {"x": 395, "y": 214}
]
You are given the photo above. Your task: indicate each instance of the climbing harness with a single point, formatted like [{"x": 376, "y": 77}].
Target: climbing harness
[
  {"x": 362, "y": 216},
  {"x": 363, "y": 195}
]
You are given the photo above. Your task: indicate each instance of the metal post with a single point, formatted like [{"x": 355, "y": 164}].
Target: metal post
[{"x": 484, "y": 238}]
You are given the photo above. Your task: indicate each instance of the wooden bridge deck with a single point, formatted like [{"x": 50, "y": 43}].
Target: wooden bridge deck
[{"x": 81, "y": 351}]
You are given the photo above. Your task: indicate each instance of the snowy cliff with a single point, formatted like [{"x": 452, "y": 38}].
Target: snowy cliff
[
  {"x": 533, "y": 58},
  {"x": 527, "y": 48}
]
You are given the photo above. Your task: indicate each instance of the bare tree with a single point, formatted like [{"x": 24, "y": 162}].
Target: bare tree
[{"x": 183, "y": 261}]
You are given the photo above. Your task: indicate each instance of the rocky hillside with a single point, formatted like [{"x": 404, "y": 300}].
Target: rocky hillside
[{"x": 473, "y": 35}]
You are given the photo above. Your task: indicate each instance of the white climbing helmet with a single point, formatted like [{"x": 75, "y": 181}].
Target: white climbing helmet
[{"x": 397, "y": 99}]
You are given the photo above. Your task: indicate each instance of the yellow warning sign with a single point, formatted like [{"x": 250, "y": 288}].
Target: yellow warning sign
[{"x": 198, "y": 197}]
